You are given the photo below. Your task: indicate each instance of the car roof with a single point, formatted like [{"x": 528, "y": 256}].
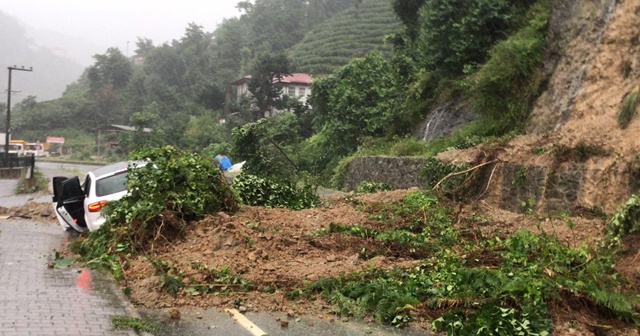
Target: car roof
[{"x": 115, "y": 167}]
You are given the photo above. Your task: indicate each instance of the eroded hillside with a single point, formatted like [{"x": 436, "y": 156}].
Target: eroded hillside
[{"x": 573, "y": 136}]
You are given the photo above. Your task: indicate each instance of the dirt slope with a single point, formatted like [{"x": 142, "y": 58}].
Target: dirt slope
[{"x": 592, "y": 63}]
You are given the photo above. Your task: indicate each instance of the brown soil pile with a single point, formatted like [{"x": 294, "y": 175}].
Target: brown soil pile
[
  {"x": 268, "y": 247},
  {"x": 277, "y": 248},
  {"x": 41, "y": 212}
]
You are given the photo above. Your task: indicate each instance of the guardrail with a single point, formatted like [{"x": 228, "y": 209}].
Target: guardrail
[
  {"x": 17, "y": 161},
  {"x": 12, "y": 165}
]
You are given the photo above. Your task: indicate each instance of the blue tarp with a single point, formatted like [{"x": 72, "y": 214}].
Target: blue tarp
[{"x": 223, "y": 162}]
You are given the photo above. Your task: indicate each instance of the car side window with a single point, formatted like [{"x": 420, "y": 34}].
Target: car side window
[
  {"x": 87, "y": 186},
  {"x": 111, "y": 184}
]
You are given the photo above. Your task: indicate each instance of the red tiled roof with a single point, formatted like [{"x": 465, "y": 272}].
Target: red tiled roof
[{"x": 298, "y": 78}]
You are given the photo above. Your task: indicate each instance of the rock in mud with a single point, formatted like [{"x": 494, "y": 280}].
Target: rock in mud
[{"x": 174, "y": 313}]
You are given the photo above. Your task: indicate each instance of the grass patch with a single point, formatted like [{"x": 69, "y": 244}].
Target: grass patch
[
  {"x": 628, "y": 109},
  {"x": 37, "y": 183},
  {"x": 137, "y": 324},
  {"x": 581, "y": 152}
]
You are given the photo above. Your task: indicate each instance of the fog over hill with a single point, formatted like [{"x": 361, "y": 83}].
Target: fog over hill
[
  {"x": 76, "y": 48},
  {"x": 46, "y": 52}
]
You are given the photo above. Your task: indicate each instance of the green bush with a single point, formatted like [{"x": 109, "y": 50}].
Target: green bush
[
  {"x": 508, "y": 294},
  {"x": 434, "y": 171},
  {"x": 371, "y": 187},
  {"x": 37, "y": 183},
  {"x": 624, "y": 222},
  {"x": 340, "y": 172},
  {"x": 456, "y": 33},
  {"x": 266, "y": 146},
  {"x": 163, "y": 196},
  {"x": 408, "y": 146},
  {"x": 254, "y": 190},
  {"x": 628, "y": 109},
  {"x": 505, "y": 88}
]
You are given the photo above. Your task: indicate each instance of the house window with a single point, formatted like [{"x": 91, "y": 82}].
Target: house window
[
  {"x": 302, "y": 92},
  {"x": 292, "y": 91}
]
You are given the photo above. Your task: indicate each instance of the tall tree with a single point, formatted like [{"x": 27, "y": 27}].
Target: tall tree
[
  {"x": 278, "y": 24},
  {"x": 111, "y": 69},
  {"x": 362, "y": 99},
  {"x": 409, "y": 13},
  {"x": 456, "y": 33},
  {"x": 144, "y": 46},
  {"x": 232, "y": 49},
  {"x": 267, "y": 72}
]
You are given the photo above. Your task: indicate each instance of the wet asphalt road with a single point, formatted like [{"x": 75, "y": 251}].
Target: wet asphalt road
[
  {"x": 48, "y": 170},
  {"x": 75, "y": 301},
  {"x": 215, "y": 322}
]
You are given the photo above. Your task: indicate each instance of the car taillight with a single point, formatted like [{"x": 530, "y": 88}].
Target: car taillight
[{"x": 95, "y": 207}]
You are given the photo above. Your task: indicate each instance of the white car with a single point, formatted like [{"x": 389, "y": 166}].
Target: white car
[{"x": 78, "y": 206}]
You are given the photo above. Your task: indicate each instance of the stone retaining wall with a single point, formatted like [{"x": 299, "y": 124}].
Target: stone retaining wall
[
  {"x": 396, "y": 172},
  {"x": 564, "y": 186},
  {"x": 10, "y": 173}
]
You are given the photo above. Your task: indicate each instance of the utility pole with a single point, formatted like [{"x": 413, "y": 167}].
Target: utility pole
[{"x": 7, "y": 135}]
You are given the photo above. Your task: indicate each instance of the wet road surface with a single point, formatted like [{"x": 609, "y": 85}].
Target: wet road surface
[
  {"x": 48, "y": 170},
  {"x": 216, "y": 322},
  {"x": 38, "y": 300}
]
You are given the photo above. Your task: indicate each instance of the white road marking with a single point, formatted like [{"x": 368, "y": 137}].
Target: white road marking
[{"x": 244, "y": 322}]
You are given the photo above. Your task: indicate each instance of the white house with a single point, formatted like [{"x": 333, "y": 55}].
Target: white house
[{"x": 294, "y": 85}]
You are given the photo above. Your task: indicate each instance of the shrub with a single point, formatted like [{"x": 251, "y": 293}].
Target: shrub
[
  {"x": 508, "y": 294},
  {"x": 265, "y": 146},
  {"x": 371, "y": 187},
  {"x": 435, "y": 170},
  {"x": 625, "y": 221},
  {"x": 505, "y": 88},
  {"x": 340, "y": 172},
  {"x": 408, "y": 146},
  {"x": 37, "y": 183},
  {"x": 163, "y": 196},
  {"x": 254, "y": 190},
  {"x": 458, "y": 32},
  {"x": 628, "y": 109}
]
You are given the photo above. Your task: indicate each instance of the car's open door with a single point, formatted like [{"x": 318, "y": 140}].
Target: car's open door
[{"x": 68, "y": 202}]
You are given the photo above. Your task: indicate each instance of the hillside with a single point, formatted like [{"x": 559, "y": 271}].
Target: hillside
[
  {"x": 350, "y": 34},
  {"x": 52, "y": 69},
  {"x": 573, "y": 135}
]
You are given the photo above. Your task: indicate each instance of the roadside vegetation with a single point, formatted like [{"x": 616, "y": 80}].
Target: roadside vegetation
[
  {"x": 137, "y": 324},
  {"x": 36, "y": 184}
]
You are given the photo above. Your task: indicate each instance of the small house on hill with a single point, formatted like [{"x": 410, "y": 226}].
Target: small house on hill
[{"x": 294, "y": 85}]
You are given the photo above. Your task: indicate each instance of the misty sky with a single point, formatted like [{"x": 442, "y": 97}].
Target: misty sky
[{"x": 111, "y": 23}]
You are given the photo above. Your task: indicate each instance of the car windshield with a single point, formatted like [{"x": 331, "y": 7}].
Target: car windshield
[{"x": 111, "y": 184}]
